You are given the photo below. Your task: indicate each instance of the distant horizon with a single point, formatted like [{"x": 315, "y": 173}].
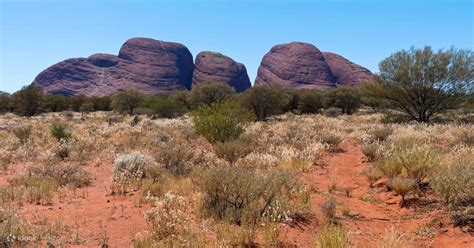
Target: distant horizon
[{"x": 37, "y": 34}]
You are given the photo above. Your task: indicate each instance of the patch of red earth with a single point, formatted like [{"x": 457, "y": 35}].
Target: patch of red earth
[
  {"x": 372, "y": 211},
  {"x": 93, "y": 211}
]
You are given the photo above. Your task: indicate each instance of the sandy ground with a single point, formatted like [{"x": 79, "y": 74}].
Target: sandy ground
[
  {"x": 372, "y": 209},
  {"x": 94, "y": 214}
]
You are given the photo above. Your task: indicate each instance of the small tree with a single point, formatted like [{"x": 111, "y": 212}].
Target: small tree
[
  {"x": 310, "y": 102},
  {"x": 28, "y": 100},
  {"x": 221, "y": 122},
  {"x": 127, "y": 101},
  {"x": 264, "y": 101},
  {"x": 5, "y": 102},
  {"x": 420, "y": 83},
  {"x": 210, "y": 92},
  {"x": 345, "y": 98},
  {"x": 54, "y": 103},
  {"x": 86, "y": 108},
  {"x": 167, "y": 106},
  {"x": 101, "y": 103}
]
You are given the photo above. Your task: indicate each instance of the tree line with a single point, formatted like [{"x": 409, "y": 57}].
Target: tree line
[{"x": 416, "y": 84}]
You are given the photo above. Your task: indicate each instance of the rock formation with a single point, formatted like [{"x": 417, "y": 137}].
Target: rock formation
[
  {"x": 146, "y": 65},
  {"x": 157, "y": 67},
  {"x": 211, "y": 66},
  {"x": 302, "y": 65},
  {"x": 346, "y": 72}
]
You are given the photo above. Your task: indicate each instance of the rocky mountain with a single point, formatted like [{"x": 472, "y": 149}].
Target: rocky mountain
[
  {"x": 302, "y": 65},
  {"x": 211, "y": 66},
  {"x": 143, "y": 64},
  {"x": 346, "y": 72},
  {"x": 157, "y": 67}
]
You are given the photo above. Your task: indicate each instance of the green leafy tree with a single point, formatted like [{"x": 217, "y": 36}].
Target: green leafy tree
[
  {"x": 294, "y": 96},
  {"x": 28, "y": 100},
  {"x": 86, "y": 107},
  {"x": 421, "y": 83},
  {"x": 311, "y": 101},
  {"x": 221, "y": 122},
  {"x": 101, "y": 103},
  {"x": 5, "y": 102},
  {"x": 210, "y": 92},
  {"x": 265, "y": 101},
  {"x": 55, "y": 103},
  {"x": 127, "y": 101},
  {"x": 345, "y": 98},
  {"x": 167, "y": 106},
  {"x": 75, "y": 102}
]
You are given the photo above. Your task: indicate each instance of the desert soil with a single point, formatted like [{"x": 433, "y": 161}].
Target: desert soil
[{"x": 93, "y": 213}]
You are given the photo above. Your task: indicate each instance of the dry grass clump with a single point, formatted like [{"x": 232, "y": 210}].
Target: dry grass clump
[
  {"x": 455, "y": 184},
  {"x": 392, "y": 239},
  {"x": 243, "y": 196},
  {"x": 328, "y": 208},
  {"x": 14, "y": 230},
  {"x": 23, "y": 133},
  {"x": 333, "y": 236},
  {"x": 40, "y": 183},
  {"x": 232, "y": 151}
]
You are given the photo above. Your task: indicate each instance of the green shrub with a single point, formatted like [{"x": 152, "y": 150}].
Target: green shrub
[
  {"x": 264, "y": 101},
  {"x": 310, "y": 102},
  {"x": 332, "y": 236},
  {"x": 174, "y": 156},
  {"x": 456, "y": 184},
  {"x": 23, "y": 133},
  {"x": 221, "y": 122},
  {"x": 59, "y": 131},
  {"x": 167, "y": 106},
  {"x": 232, "y": 151},
  {"x": 417, "y": 163},
  {"x": 242, "y": 196},
  {"x": 347, "y": 99},
  {"x": 208, "y": 93}
]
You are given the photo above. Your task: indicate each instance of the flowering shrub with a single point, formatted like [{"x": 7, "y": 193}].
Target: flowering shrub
[{"x": 129, "y": 168}]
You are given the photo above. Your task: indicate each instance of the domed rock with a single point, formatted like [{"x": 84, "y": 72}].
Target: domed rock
[
  {"x": 346, "y": 72},
  {"x": 103, "y": 60},
  {"x": 145, "y": 65},
  {"x": 211, "y": 66},
  {"x": 297, "y": 65}
]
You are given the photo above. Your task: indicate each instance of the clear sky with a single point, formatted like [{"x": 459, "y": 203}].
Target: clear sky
[{"x": 35, "y": 34}]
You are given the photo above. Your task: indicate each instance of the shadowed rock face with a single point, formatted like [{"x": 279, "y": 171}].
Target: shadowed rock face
[
  {"x": 346, "y": 72},
  {"x": 211, "y": 66},
  {"x": 302, "y": 65},
  {"x": 297, "y": 65},
  {"x": 145, "y": 65}
]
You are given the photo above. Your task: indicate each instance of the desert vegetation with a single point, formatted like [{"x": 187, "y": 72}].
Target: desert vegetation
[{"x": 269, "y": 167}]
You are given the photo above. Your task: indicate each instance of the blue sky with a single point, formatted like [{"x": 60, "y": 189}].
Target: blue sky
[{"x": 35, "y": 34}]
